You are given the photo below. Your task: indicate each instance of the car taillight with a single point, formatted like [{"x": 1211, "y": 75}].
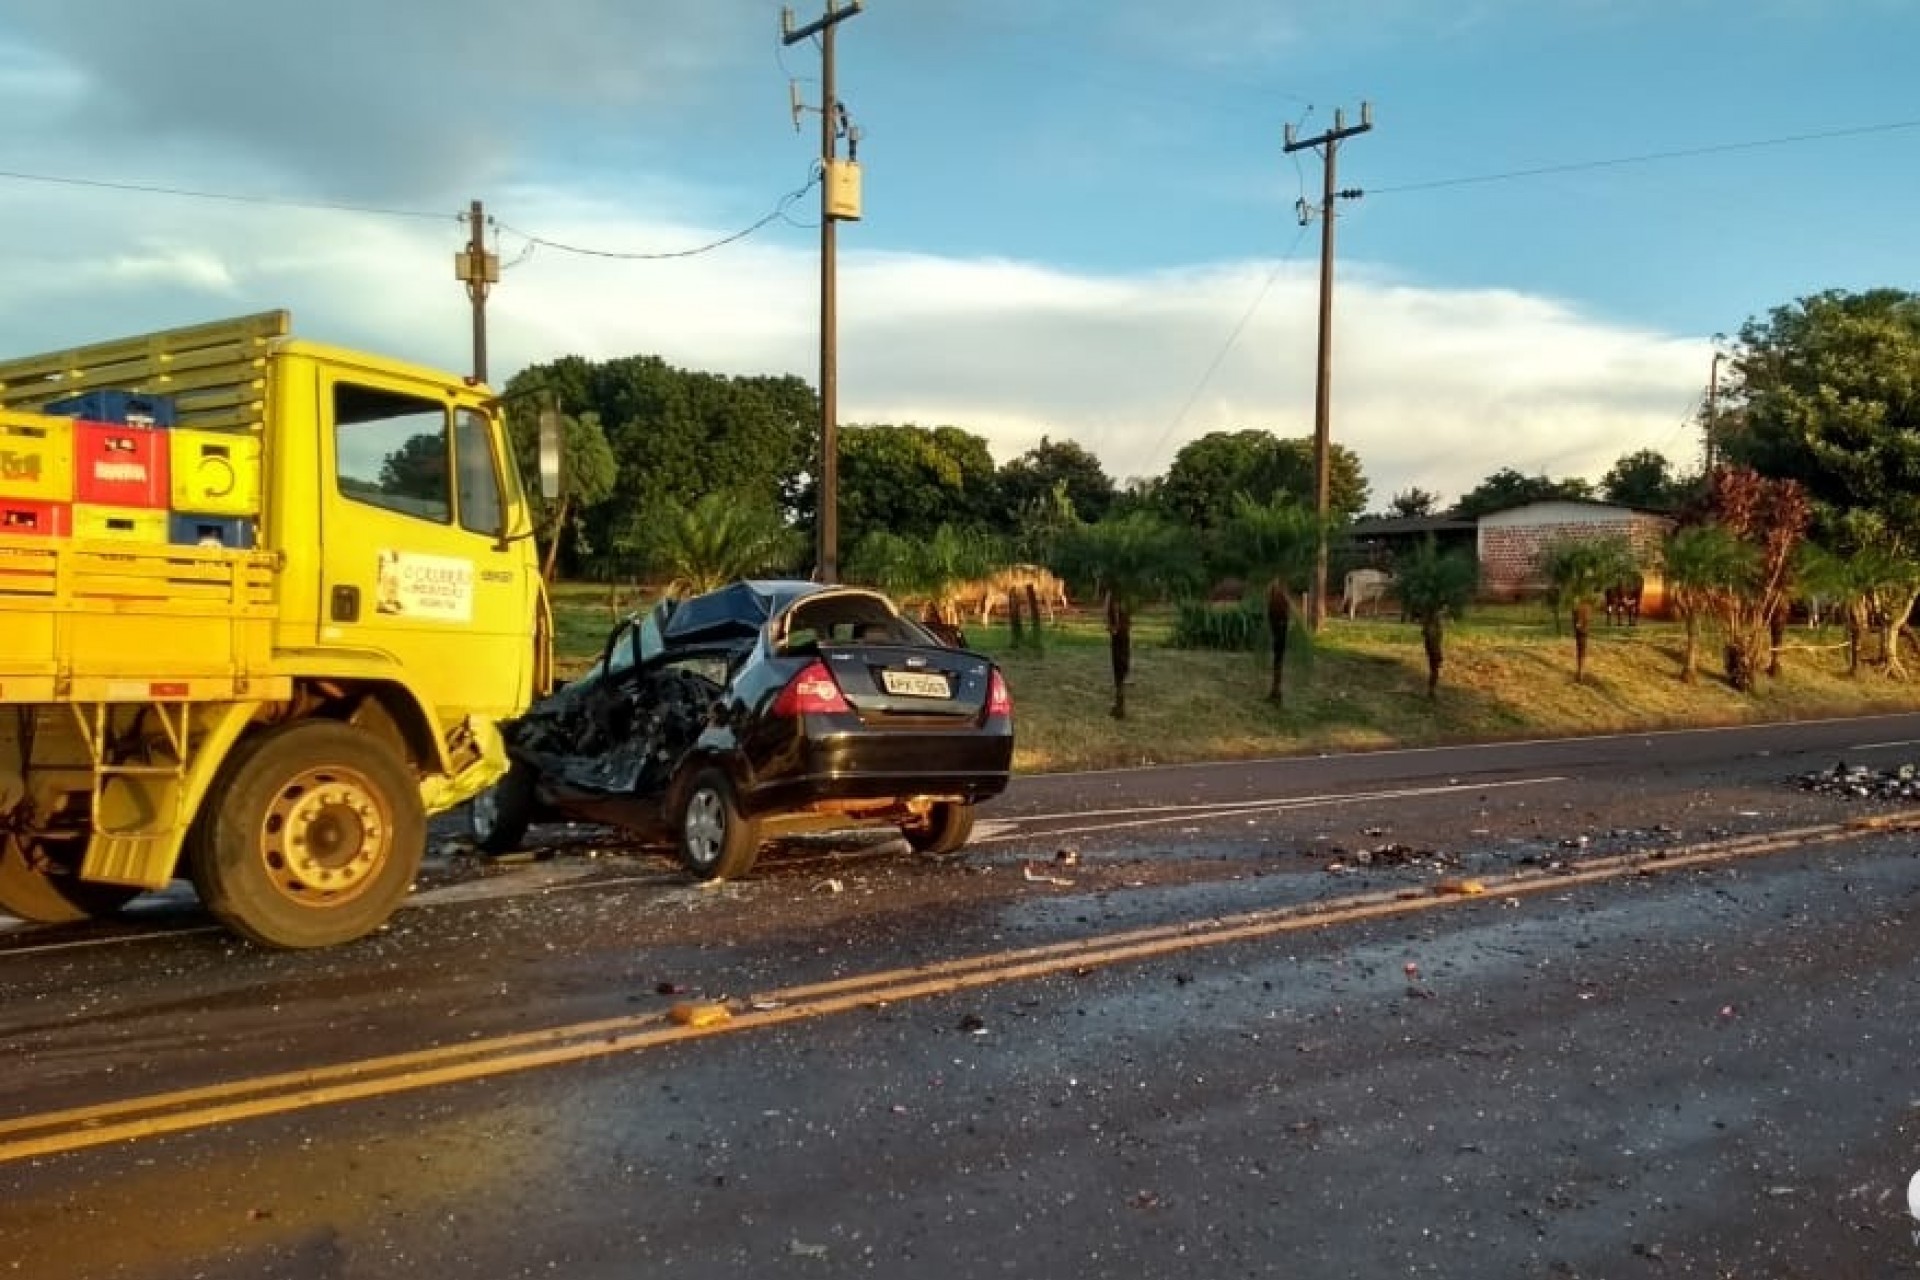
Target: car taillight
[
  {"x": 999, "y": 701},
  {"x": 812, "y": 692}
]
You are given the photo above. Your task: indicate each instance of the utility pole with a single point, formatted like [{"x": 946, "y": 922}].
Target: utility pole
[
  {"x": 1713, "y": 408},
  {"x": 839, "y": 198},
  {"x": 1323, "y": 389},
  {"x": 480, "y": 271}
]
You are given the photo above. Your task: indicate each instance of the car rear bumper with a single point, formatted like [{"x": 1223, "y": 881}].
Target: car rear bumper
[{"x": 968, "y": 768}]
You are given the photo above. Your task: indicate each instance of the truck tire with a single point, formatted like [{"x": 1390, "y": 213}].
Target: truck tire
[
  {"x": 947, "y": 829},
  {"x": 48, "y": 897},
  {"x": 498, "y": 817},
  {"x": 314, "y": 833},
  {"x": 717, "y": 841}
]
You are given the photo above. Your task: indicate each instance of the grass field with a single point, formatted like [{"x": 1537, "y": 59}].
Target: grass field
[{"x": 1362, "y": 684}]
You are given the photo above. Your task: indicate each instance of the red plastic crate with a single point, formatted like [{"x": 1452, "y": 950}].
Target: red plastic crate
[
  {"x": 120, "y": 466},
  {"x": 35, "y": 519}
]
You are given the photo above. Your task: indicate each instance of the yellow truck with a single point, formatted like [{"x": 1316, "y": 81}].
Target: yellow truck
[{"x": 262, "y": 604}]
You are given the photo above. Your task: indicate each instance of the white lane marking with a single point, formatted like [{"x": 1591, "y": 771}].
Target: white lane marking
[
  {"x": 1878, "y": 746},
  {"x": 1241, "y": 808}
]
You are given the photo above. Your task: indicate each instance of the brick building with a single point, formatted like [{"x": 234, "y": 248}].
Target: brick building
[{"x": 1509, "y": 543}]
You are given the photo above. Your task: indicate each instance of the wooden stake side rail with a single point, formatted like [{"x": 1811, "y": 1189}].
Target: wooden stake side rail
[
  {"x": 216, "y": 373},
  {"x": 114, "y": 622}
]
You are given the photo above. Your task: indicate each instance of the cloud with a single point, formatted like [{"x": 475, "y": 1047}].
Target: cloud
[
  {"x": 1432, "y": 387},
  {"x": 366, "y": 97}
]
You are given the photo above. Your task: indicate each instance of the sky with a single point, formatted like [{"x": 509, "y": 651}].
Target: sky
[{"x": 1080, "y": 220}]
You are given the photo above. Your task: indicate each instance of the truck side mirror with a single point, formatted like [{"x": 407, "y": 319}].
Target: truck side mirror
[{"x": 550, "y": 450}]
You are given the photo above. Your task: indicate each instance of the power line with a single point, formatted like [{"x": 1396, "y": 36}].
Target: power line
[
  {"x": 324, "y": 206},
  {"x": 1220, "y": 356},
  {"x": 1648, "y": 157},
  {"x": 779, "y": 211},
  {"x": 228, "y": 196}
]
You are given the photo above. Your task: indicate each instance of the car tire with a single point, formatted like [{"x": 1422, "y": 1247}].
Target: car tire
[
  {"x": 498, "y": 818},
  {"x": 947, "y": 829},
  {"x": 717, "y": 840}
]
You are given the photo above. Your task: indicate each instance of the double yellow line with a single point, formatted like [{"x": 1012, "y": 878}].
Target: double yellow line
[{"x": 56, "y": 1132}]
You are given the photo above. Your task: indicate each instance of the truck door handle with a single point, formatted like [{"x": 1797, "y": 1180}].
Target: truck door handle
[{"x": 346, "y": 604}]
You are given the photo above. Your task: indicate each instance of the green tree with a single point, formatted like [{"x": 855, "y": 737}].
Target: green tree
[
  {"x": 587, "y": 475},
  {"x": 1040, "y": 522},
  {"x": 1129, "y": 559},
  {"x": 1829, "y": 389},
  {"x": 1056, "y": 467},
  {"x": 1579, "y": 571},
  {"x": 1770, "y": 517},
  {"x": 1272, "y": 542},
  {"x": 678, "y": 435},
  {"x": 1413, "y": 502},
  {"x": 930, "y": 569},
  {"x": 704, "y": 544},
  {"x": 1507, "y": 488},
  {"x": 1872, "y": 586},
  {"x": 1827, "y": 394},
  {"x": 910, "y": 480},
  {"x": 1435, "y": 587},
  {"x": 1643, "y": 479},
  {"x": 1703, "y": 565},
  {"x": 1209, "y": 473}
]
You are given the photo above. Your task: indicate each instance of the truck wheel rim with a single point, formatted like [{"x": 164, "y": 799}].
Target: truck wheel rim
[
  {"x": 706, "y": 826},
  {"x": 325, "y": 836}
]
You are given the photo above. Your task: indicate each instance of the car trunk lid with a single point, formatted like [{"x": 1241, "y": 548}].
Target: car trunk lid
[{"x": 887, "y": 682}]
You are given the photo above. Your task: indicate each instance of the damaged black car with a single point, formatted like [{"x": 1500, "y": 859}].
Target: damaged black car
[{"x": 764, "y": 710}]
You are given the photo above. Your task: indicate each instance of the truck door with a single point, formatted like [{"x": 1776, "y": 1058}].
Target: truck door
[{"x": 417, "y": 566}]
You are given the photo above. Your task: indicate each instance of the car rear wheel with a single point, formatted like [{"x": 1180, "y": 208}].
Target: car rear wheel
[
  {"x": 947, "y": 829},
  {"x": 498, "y": 817},
  {"x": 717, "y": 841}
]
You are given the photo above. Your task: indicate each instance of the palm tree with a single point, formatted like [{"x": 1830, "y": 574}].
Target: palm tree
[
  {"x": 716, "y": 539},
  {"x": 1703, "y": 565},
  {"x": 1272, "y": 542},
  {"x": 1435, "y": 586},
  {"x": 1579, "y": 571},
  {"x": 932, "y": 568},
  {"x": 1129, "y": 559}
]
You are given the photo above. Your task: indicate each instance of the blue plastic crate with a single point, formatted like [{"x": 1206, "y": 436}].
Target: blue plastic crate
[
  {"x": 129, "y": 407},
  {"x": 231, "y": 532}
]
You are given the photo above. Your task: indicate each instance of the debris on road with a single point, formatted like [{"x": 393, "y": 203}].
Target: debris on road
[
  {"x": 700, "y": 1014},
  {"x": 1043, "y": 877},
  {"x": 801, "y": 1249},
  {"x": 1454, "y": 884},
  {"x": 1863, "y": 782}
]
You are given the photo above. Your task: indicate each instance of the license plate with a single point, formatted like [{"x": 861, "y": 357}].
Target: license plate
[{"x": 914, "y": 684}]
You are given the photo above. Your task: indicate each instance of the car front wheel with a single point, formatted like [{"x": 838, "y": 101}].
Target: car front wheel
[
  {"x": 717, "y": 841},
  {"x": 498, "y": 817}
]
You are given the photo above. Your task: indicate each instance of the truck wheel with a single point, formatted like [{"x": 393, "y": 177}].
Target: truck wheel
[
  {"x": 947, "y": 829},
  {"x": 717, "y": 841},
  {"x": 50, "y": 897},
  {"x": 315, "y": 833},
  {"x": 498, "y": 817}
]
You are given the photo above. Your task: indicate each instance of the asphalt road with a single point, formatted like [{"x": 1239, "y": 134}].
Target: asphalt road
[{"x": 1629, "y": 1006}]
